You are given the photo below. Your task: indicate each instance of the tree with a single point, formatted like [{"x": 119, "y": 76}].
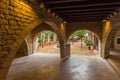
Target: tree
[
  {"x": 39, "y": 39},
  {"x": 44, "y": 36},
  {"x": 80, "y": 33},
  {"x": 89, "y": 43}
]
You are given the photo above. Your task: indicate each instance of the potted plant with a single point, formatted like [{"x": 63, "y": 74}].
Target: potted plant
[{"x": 89, "y": 43}]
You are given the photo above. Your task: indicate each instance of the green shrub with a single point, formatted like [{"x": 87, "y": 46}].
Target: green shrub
[{"x": 88, "y": 42}]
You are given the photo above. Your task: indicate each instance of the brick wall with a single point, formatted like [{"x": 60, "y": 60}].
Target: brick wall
[
  {"x": 22, "y": 51},
  {"x": 117, "y": 35},
  {"x": 15, "y": 17},
  {"x": 106, "y": 30},
  {"x": 18, "y": 18},
  {"x": 109, "y": 29}
]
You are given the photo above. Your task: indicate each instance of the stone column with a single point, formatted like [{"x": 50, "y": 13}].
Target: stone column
[
  {"x": 95, "y": 42},
  {"x": 35, "y": 45},
  {"x": 29, "y": 42},
  {"x": 65, "y": 50}
]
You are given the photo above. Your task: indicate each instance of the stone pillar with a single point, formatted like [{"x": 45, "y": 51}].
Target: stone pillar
[
  {"x": 65, "y": 50},
  {"x": 29, "y": 41},
  {"x": 95, "y": 43},
  {"x": 35, "y": 45},
  {"x": 100, "y": 48}
]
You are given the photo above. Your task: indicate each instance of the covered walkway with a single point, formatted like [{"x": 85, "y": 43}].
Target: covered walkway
[
  {"x": 51, "y": 67},
  {"x": 22, "y": 20}
]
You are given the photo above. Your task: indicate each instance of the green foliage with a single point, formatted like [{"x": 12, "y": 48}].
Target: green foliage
[
  {"x": 45, "y": 36},
  {"x": 51, "y": 33},
  {"x": 40, "y": 39},
  {"x": 72, "y": 37},
  {"x": 80, "y": 33},
  {"x": 88, "y": 42}
]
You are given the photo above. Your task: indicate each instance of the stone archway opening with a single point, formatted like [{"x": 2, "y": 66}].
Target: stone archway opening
[
  {"x": 84, "y": 42},
  {"x": 46, "y": 42},
  {"x": 41, "y": 36},
  {"x": 30, "y": 40}
]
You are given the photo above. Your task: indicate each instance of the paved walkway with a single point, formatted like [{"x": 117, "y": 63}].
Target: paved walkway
[
  {"x": 75, "y": 49},
  {"x": 50, "y": 67}
]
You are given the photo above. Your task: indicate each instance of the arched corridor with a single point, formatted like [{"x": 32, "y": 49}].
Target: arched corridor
[{"x": 22, "y": 20}]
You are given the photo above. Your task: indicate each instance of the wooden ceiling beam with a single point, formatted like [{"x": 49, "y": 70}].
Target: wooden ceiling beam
[
  {"x": 82, "y": 20},
  {"x": 85, "y": 18},
  {"x": 78, "y": 20},
  {"x": 88, "y": 5},
  {"x": 98, "y": 9},
  {"x": 107, "y": 10},
  {"x": 89, "y": 13},
  {"x": 85, "y": 15},
  {"x": 62, "y": 1}
]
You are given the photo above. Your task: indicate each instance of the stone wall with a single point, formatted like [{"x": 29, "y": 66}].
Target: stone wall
[
  {"x": 22, "y": 51},
  {"x": 109, "y": 29},
  {"x": 95, "y": 27},
  {"x": 116, "y": 45},
  {"x": 105, "y": 33},
  {"x": 17, "y": 19}
]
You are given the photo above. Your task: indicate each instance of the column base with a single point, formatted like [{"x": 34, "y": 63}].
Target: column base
[{"x": 65, "y": 51}]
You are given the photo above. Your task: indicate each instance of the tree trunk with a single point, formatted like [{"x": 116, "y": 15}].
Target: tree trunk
[{"x": 81, "y": 42}]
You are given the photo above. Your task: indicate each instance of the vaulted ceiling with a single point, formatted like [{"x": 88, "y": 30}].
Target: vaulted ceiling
[{"x": 83, "y": 10}]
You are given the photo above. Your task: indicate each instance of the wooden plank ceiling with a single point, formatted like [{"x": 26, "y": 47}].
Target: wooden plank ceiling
[{"x": 83, "y": 10}]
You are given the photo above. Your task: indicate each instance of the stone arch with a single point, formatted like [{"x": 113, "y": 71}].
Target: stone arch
[
  {"x": 94, "y": 27},
  {"x": 109, "y": 28},
  {"x": 19, "y": 40},
  {"x": 98, "y": 37},
  {"x": 20, "y": 17},
  {"x": 47, "y": 26},
  {"x": 108, "y": 39},
  {"x": 42, "y": 27}
]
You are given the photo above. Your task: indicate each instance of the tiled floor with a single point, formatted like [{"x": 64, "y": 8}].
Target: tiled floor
[{"x": 50, "y": 67}]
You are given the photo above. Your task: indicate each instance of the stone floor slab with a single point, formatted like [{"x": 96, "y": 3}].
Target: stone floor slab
[{"x": 50, "y": 67}]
